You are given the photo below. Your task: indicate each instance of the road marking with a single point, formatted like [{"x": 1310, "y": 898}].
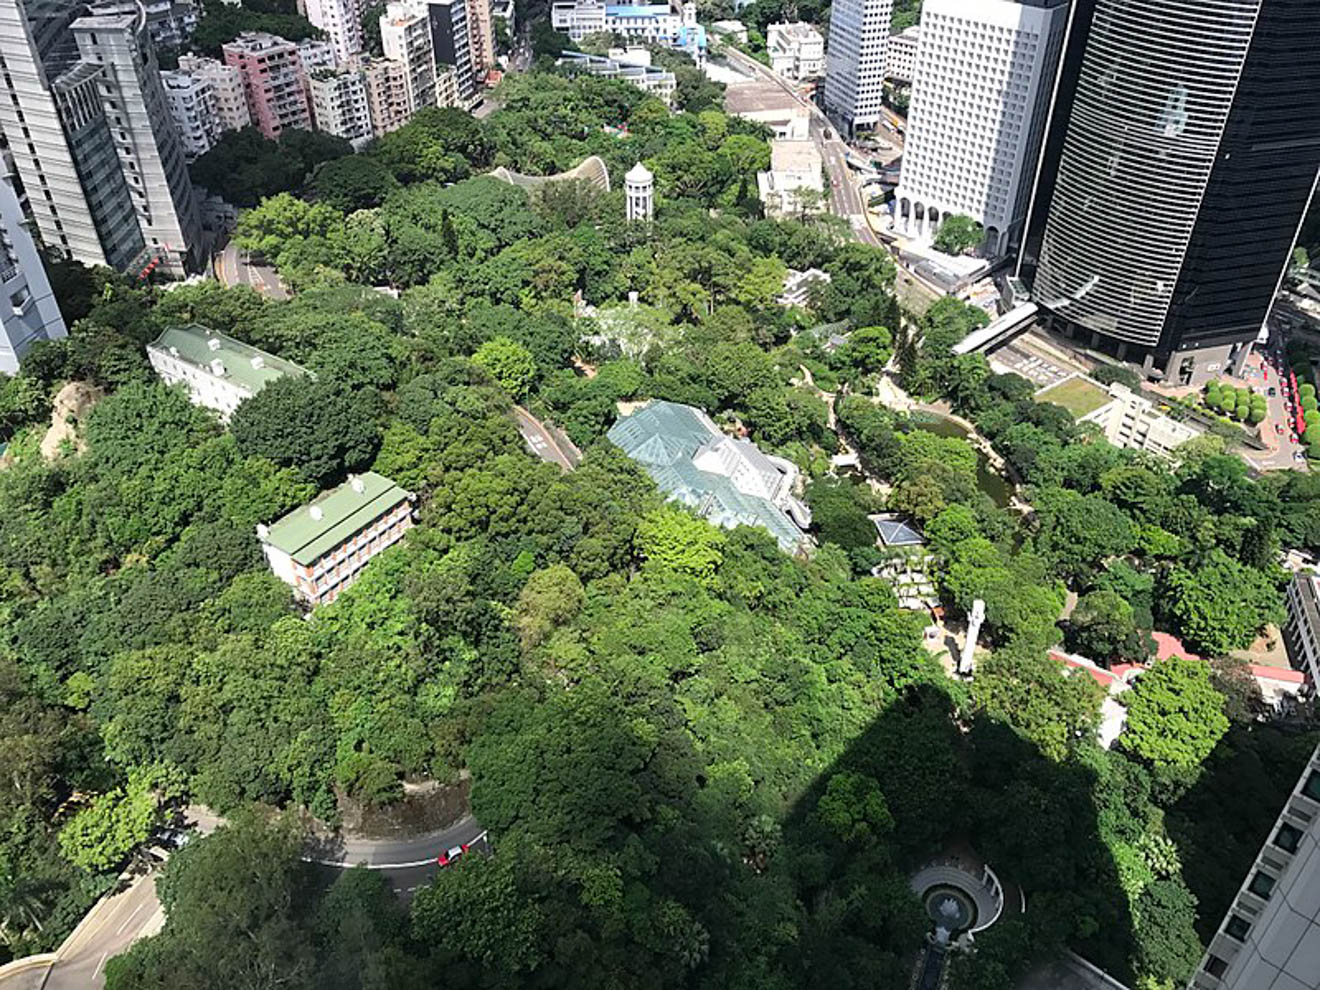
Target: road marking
[
  {"x": 344, "y": 864},
  {"x": 130, "y": 918},
  {"x": 99, "y": 964}
]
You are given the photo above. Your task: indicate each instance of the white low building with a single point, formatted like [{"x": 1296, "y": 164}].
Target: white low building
[
  {"x": 796, "y": 50},
  {"x": 796, "y": 168},
  {"x": 631, "y": 65},
  {"x": 901, "y": 54},
  {"x": 672, "y": 25},
  {"x": 798, "y": 285},
  {"x": 1125, "y": 418},
  {"x": 219, "y": 372},
  {"x": 736, "y": 31}
]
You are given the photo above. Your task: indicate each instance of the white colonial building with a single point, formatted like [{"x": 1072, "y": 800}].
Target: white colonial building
[
  {"x": 218, "y": 371},
  {"x": 796, "y": 167},
  {"x": 980, "y": 93},
  {"x": 797, "y": 50}
]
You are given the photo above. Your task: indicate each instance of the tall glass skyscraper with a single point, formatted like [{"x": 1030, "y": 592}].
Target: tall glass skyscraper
[{"x": 1185, "y": 151}]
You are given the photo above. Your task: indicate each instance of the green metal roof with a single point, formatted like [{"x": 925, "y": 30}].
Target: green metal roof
[
  {"x": 664, "y": 437},
  {"x": 249, "y": 366},
  {"x": 344, "y": 511}
]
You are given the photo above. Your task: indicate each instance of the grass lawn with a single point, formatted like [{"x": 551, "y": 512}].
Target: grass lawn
[{"x": 1077, "y": 395}]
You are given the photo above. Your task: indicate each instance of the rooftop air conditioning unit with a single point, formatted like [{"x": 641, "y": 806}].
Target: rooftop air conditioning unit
[
  {"x": 218, "y": 368},
  {"x": 356, "y": 484},
  {"x": 316, "y": 512},
  {"x": 213, "y": 343},
  {"x": 258, "y": 362}
]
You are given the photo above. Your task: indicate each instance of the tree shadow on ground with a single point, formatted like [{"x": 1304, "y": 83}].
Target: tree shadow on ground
[{"x": 946, "y": 782}]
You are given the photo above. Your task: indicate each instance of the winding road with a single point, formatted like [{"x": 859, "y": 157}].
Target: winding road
[
  {"x": 117, "y": 921},
  {"x": 845, "y": 198}
]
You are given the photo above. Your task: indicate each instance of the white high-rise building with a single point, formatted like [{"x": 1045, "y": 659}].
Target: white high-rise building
[
  {"x": 56, "y": 129},
  {"x": 226, "y": 83},
  {"x": 192, "y": 105},
  {"x": 980, "y": 92},
  {"x": 1270, "y": 938},
  {"x": 405, "y": 36},
  {"x": 28, "y": 311},
  {"x": 341, "y": 20},
  {"x": 150, "y": 152},
  {"x": 855, "y": 61},
  {"x": 339, "y": 103}
]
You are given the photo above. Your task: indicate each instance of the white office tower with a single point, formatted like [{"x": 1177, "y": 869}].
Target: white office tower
[
  {"x": 639, "y": 193},
  {"x": 341, "y": 20},
  {"x": 980, "y": 94},
  {"x": 192, "y": 105},
  {"x": 855, "y": 61},
  {"x": 148, "y": 144},
  {"x": 226, "y": 85},
  {"x": 405, "y": 37},
  {"x": 28, "y": 311},
  {"x": 1270, "y": 939}
]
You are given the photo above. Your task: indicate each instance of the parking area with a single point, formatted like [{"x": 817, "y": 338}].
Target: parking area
[{"x": 1031, "y": 364}]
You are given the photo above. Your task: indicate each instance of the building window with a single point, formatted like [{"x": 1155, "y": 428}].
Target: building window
[
  {"x": 1261, "y": 884},
  {"x": 1215, "y": 966},
  {"x": 1312, "y": 786},
  {"x": 1288, "y": 837},
  {"x": 1237, "y": 928}
]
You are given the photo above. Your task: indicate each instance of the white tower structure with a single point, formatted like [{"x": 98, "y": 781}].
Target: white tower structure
[
  {"x": 855, "y": 61},
  {"x": 974, "y": 620},
  {"x": 981, "y": 86},
  {"x": 639, "y": 192}
]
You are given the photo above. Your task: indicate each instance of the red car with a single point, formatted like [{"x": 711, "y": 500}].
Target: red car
[{"x": 451, "y": 854}]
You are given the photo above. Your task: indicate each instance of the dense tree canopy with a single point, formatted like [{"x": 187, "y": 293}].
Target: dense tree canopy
[{"x": 703, "y": 762}]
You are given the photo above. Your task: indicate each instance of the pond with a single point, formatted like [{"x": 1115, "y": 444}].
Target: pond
[{"x": 999, "y": 488}]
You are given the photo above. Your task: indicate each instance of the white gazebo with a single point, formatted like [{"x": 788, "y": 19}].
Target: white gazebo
[{"x": 639, "y": 192}]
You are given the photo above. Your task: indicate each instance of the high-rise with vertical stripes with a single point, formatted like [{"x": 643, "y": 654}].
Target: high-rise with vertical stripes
[{"x": 1186, "y": 147}]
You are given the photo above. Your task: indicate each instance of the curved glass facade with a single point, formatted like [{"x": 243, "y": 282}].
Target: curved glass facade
[{"x": 1154, "y": 93}]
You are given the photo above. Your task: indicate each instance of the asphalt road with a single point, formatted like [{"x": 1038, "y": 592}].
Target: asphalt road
[
  {"x": 845, "y": 199},
  {"x": 546, "y": 443},
  {"x": 233, "y": 267},
  {"x": 407, "y": 863},
  {"x": 118, "y": 921},
  {"x": 114, "y": 925}
]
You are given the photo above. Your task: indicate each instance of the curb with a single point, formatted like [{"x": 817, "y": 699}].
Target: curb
[{"x": 19, "y": 966}]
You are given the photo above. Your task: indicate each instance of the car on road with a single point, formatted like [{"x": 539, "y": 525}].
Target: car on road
[
  {"x": 452, "y": 854},
  {"x": 1278, "y": 428}
]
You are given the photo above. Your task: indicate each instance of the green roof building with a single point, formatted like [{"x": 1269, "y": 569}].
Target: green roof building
[
  {"x": 722, "y": 478},
  {"x": 320, "y": 548},
  {"x": 219, "y": 371}
]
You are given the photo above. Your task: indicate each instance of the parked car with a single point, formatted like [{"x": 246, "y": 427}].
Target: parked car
[
  {"x": 451, "y": 854},
  {"x": 1273, "y": 392}
]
